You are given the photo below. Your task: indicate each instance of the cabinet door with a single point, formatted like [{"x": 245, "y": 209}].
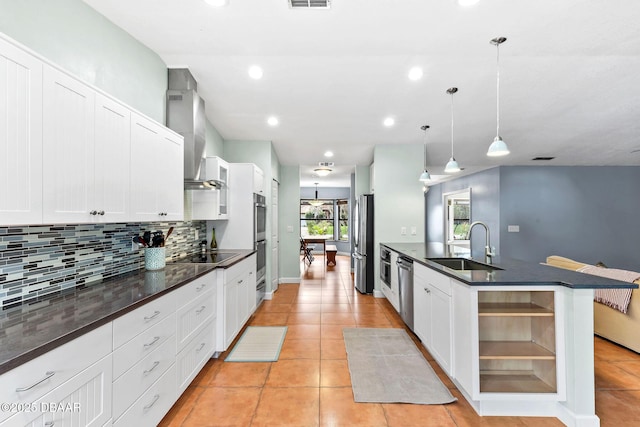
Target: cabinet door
[
  {"x": 145, "y": 177},
  {"x": 421, "y": 311},
  {"x": 68, "y": 148},
  {"x": 258, "y": 180},
  {"x": 20, "y": 137},
  {"x": 112, "y": 161},
  {"x": 169, "y": 168},
  {"x": 440, "y": 326},
  {"x": 243, "y": 299},
  {"x": 230, "y": 313}
]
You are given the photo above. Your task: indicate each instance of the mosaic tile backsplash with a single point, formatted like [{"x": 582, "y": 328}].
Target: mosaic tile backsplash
[{"x": 40, "y": 260}]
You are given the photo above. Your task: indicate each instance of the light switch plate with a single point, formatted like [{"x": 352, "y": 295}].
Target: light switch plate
[
  {"x": 289, "y": 228},
  {"x": 513, "y": 228},
  {"x": 403, "y": 231},
  {"x": 413, "y": 230}
]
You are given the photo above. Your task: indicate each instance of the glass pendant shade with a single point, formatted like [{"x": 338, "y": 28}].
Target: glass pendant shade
[
  {"x": 425, "y": 177},
  {"x": 498, "y": 148},
  {"x": 452, "y": 166}
]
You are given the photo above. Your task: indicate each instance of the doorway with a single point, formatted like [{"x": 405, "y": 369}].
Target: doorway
[{"x": 457, "y": 218}]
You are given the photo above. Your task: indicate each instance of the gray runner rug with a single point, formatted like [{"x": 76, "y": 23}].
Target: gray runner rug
[{"x": 386, "y": 367}]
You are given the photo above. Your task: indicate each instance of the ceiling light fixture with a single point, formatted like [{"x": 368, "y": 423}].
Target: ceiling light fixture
[
  {"x": 255, "y": 72},
  {"x": 315, "y": 202},
  {"x": 498, "y": 147},
  {"x": 467, "y": 2},
  {"x": 425, "y": 177},
  {"x": 389, "y": 121},
  {"x": 217, "y": 3},
  {"x": 452, "y": 165},
  {"x": 322, "y": 172},
  {"x": 328, "y": 153},
  {"x": 273, "y": 121},
  {"x": 415, "y": 73}
]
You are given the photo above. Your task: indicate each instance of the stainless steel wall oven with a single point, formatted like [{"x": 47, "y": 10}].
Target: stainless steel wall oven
[{"x": 385, "y": 267}]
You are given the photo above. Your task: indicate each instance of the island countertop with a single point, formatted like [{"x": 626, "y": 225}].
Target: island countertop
[{"x": 511, "y": 271}]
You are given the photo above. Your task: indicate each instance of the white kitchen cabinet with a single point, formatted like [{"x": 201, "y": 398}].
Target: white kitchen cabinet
[
  {"x": 42, "y": 375},
  {"x": 258, "y": 181},
  {"x": 238, "y": 300},
  {"x": 84, "y": 400},
  {"x": 156, "y": 172},
  {"x": 68, "y": 148},
  {"x": 194, "y": 355},
  {"x": 211, "y": 204},
  {"x": 432, "y": 313},
  {"x": 20, "y": 136}
]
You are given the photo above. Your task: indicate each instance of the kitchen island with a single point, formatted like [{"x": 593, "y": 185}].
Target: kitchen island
[{"x": 515, "y": 337}]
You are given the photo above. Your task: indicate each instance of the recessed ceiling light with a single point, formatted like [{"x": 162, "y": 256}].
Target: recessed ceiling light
[
  {"x": 328, "y": 153},
  {"x": 273, "y": 121},
  {"x": 415, "y": 73},
  {"x": 467, "y": 2},
  {"x": 217, "y": 3},
  {"x": 255, "y": 72},
  {"x": 389, "y": 121}
]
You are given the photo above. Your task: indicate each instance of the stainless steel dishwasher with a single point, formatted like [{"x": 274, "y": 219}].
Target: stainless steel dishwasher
[{"x": 405, "y": 282}]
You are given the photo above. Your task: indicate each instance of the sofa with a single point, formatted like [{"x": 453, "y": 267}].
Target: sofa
[{"x": 609, "y": 323}]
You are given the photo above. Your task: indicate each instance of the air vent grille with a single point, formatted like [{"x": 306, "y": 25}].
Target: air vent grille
[
  {"x": 309, "y": 4},
  {"x": 326, "y": 164}
]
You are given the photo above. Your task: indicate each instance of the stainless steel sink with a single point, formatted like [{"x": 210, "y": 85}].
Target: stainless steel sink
[{"x": 463, "y": 264}]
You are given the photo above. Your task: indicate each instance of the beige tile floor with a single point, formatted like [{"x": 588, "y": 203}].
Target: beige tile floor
[{"x": 310, "y": 385}]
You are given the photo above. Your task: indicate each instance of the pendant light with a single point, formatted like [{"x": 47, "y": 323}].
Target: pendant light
[
  {"x": 498, "y": 147},
  {"x": 425, "y": 177},
  {"x": 452, "y": 165},
  {"x": 315, "y": 202}
]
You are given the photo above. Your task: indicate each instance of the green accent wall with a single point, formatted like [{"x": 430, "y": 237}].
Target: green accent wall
[
  {"x": 75, "y": 37},
  {"x": 289, "y": 216}
]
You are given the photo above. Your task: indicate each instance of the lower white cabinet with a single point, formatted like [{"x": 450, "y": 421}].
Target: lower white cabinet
[
  {"x": 432, "y": 313},
  {"x": 238, "y": 300},
  {"x": 195, "y": 355}
]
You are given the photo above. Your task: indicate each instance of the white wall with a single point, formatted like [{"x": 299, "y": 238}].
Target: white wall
[{"x": 398, "y": 196}]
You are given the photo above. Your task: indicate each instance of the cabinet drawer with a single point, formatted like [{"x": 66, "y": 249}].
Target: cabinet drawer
[
  {"x": 195, "y": 289},
  {"x": 131, "y": 324},
  {"x": 238, "y": 269},
  {"x": 425, "y": 275},
  {"x": 143, "y": 374},
  {"x": 57, "y": 366},
  {"x": 143, "y": 344},
  {"x": 84, "y": 400},
  {"x": 192, "y": 316},
  {"x": 149, "y": 409},
  {"x": 195, "y": 355}
]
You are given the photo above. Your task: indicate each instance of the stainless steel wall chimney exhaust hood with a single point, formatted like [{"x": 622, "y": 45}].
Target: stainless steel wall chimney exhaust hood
[{"x": 186, "y": 115}]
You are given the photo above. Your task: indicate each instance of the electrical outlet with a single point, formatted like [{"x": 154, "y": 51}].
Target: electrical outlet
[
  {"x": 413, "y": 230},
  {"x": 513, "y": 228},
  {"x": 289, "y": 228},
  {"x": 403, "y": 231},
  {"x": 196, "y": 234}
]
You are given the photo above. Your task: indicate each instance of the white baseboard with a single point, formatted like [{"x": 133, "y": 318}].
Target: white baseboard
[
  {"x": 289, "y": 280},
  {"x": 268, "y": 295},
  {"x": 378, "y": 294}
]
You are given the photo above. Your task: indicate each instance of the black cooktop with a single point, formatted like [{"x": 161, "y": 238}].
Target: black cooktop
[{"x": 209, "y": 257}]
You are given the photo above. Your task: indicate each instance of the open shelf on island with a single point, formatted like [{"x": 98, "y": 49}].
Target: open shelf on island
[{"x": 517, "y": 342}]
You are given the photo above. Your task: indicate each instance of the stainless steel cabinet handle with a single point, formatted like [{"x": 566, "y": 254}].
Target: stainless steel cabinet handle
[
  {"x": 155, "y": 365},
  {"x": 201, "y": 287},
  {"x": 93, "y": 213},
  {"x": 427, "y": 290},
  {"x": 201, "y": 309},
  {"x": 155, "y": 314},
  {"x": 100, "y": 212},
  {"x": 155, "y": 340},
  {"x": 49, "y": 423},
  {"x": 239, "y": 281},
  {"x": 200, "y": 348},
  {"x": 153, "y": 402},
  {"x": 47, "y": 374}
]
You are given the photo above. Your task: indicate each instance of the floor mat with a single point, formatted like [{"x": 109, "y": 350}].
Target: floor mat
[{"x": 258, "y": 344}]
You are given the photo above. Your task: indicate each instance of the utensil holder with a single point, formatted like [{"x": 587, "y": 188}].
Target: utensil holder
[{"x": 154, "y": 258}]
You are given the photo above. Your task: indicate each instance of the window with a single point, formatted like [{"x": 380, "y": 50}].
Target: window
[{"x": 325, "y": 218}]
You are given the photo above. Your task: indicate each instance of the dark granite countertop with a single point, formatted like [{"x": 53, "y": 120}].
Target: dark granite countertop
[
  {"x": 34, "y": 328},
  {"x": 514, "y": 272}
]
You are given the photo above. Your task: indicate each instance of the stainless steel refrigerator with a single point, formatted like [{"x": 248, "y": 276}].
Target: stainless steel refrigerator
[{"x": 363, "y": 258}]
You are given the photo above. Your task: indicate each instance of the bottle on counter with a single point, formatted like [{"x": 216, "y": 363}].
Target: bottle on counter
[{"x": 214, "y": 244}]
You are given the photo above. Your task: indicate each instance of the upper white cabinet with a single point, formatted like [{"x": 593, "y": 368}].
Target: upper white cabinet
[
  {"x": 20, "y": 136},
  {"x": 212, "y": 204},
  {"x": 156, "y": 171},
  {"x": 258, "y": 180},
  {"x": 68, "y": 167},
  {"x": 67, "y": 151}
]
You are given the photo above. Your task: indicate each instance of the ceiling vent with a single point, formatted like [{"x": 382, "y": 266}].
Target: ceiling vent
[
  {"x": 310, "y": 4},
  {"x": 326, "y": 164},
  {"x": 542, "y": 158}
]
